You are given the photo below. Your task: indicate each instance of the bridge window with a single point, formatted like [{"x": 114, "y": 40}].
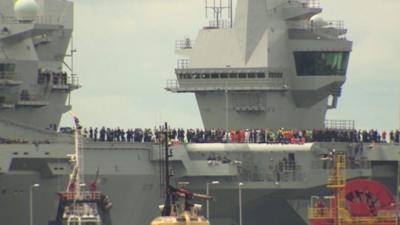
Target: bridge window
[
  {"x": 214, "y": 76},
  {"x": 321, "y": 63},
  {"x": 260, "y": 75},
  {"x": 275, "y": 75},
  {"x": 233, "y": 75},
  {"x": 7, "y": 67}
]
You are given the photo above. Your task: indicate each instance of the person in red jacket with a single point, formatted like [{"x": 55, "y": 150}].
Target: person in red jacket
[{"x": 233, "y": 135}]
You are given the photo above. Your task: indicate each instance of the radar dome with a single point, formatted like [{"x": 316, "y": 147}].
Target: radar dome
[{"x": 26, "y": 10}]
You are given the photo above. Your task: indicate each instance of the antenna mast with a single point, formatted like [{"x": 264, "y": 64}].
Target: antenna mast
[
  {"x": 70, "y": 66},
  {"x": 168, "y": 195},
  {"x": 216, "y": 7},
  {"x": 167, "y": 175},
  {"x": 78, "y": 158}
]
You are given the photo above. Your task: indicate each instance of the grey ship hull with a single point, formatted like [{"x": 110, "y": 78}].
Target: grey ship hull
[
  {"x": 130, "y": 176},
  {"x": 130, "y": 201}
]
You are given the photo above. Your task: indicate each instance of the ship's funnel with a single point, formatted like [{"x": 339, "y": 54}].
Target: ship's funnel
[{"x": 26, "y": 10}]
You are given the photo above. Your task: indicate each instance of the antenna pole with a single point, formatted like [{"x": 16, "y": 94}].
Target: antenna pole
[
  {"x": 214, "y": 6},
  {"x": 231, "y": 12},
  {"x": 206, "y": 8},
  {"x": 167, "y": 177},
  {"x": 167, "y": 205},
  {"x": 72, "y": 51}
]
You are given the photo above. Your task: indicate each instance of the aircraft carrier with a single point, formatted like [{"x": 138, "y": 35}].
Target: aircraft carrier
[{"x": 270, "y": 64}]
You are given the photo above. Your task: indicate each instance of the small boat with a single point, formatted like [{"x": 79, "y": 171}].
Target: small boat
[
  {"x": 178, "y": 208},
  {"x": 78, "y": 206}
]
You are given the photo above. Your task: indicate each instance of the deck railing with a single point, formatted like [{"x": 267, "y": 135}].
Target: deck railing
[
  {"x": 183, "y": 63},
  {"x": 320, "y": 213},
  {"x": 219, "y": 24},
  {"x": 7, "y": 75},
  {"x": 184, "y": 44},
  {"x": 340, "y": 124},
  {"x": 84, "y": 195},
  {"x": 309, "y": 25},
  {"x": 310, "y": 3},
  {"x": 37, "y": 20}
]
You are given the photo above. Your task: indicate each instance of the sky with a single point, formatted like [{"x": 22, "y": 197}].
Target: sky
[{"x": 125, "y": 54}]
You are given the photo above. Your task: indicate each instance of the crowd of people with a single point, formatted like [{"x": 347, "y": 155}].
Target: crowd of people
[
  {"x": 120, "y": 135},
  {"x": 58, "y": 78},
  {"x": 269, "y": 136}
]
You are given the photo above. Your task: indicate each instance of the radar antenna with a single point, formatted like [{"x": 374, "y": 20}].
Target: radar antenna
[{"x": 216, "y": 7}]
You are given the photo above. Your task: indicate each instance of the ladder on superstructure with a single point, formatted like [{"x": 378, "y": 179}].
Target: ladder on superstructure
[{"x": 337, "y": 181}]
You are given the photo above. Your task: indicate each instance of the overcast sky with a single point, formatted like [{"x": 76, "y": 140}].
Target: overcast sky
[{"x": 126, "y": 54}]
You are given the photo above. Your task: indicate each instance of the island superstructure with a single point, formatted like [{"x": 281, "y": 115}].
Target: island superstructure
[
  {"x": 271, "y": 65},
  {"x": 274, "y": 65},
  {"x": 34, "y": 38}
]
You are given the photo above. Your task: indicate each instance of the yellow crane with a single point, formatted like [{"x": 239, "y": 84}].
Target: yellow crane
[{"x": 358, "y": 202}]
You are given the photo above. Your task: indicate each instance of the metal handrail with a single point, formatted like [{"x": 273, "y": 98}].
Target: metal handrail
[
  {"x": 37, "y": 20},
  {"x": 340, "y": 124},
  {"x": 228, "y": 76},
  {"x": 74, "y": 81},
  {"x": 327, "y": 164},
  {"x": 47, "y": 20},
  {"x": 172, "y": 84},
  {"x": 184, "y": 44},
  {"x": 310, "y": 3},
  {"x": 295, "y": 175},
  {"x": 8, "y": 19},
  {"x": 84, "y": 195},
  {"x": 309, "y": 25},
  {"x": 231, "y": 81},
  {"x": 223, "y": 83},
  {"x": 31, "y": 98},
  {"x": 219, "y": 24},
  {"x": 183, "y": 63},
  {"x": 320, "y": 213},
  {"x": 59, "y": 78},
  {"x": 338, "y": 24},
  {"x": 7, "y": 75}
]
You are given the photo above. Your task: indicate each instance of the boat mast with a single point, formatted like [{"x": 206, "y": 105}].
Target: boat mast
[
  {"x": 167, "y": 177},
  {"x": 78, "y": 170},
  {"x": 167, "y": 205}
]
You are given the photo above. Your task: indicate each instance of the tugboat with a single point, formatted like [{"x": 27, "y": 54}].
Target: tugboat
[
  {"x": 357, "y": 202},
  {"x": 77, "y": 206},
  {"x": 174, "y": 211}
]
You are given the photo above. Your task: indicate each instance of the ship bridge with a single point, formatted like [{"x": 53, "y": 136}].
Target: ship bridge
[
  {"x": 36, "y": 73},
  {"x": 280, "y": 67}
]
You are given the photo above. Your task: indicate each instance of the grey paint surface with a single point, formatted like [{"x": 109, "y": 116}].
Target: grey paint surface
[{"x": 130, "y": 172}]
